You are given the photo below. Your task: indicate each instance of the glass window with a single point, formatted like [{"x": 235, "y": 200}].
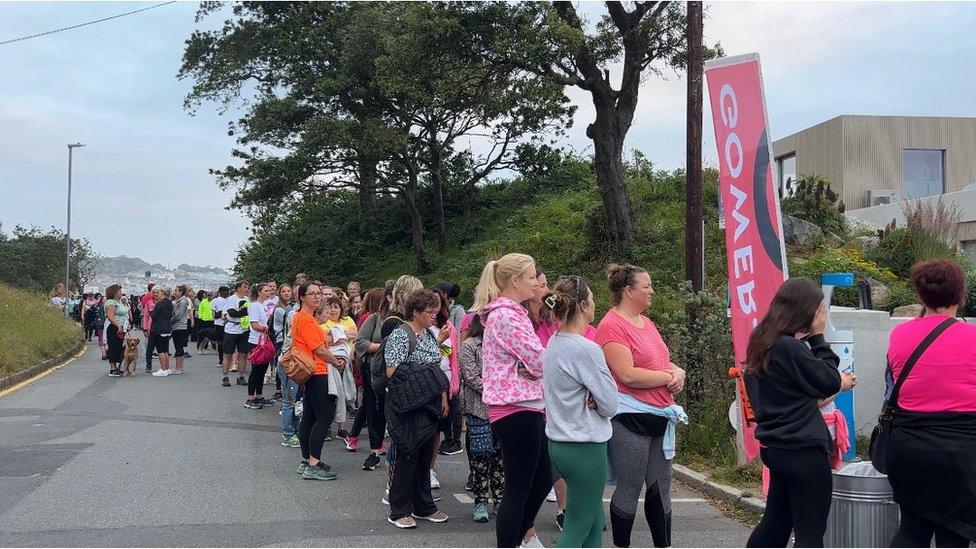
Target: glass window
[
  {"x": 787, "y": 174},
  {"x": 922, "y": 172},
  {"x": 969, "y": 248}
]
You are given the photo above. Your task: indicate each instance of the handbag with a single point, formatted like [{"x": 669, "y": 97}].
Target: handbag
[
  {"x": 263, "y": 353},
  {"x": 881, "y": 435},
  {"x": 481, "y": 441},
  {"x": 297, "y": 364}
]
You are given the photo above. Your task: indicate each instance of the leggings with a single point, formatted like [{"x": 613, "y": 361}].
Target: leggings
[
  {"x": 487, "y": 473},
  {"x": 220, "y": 343},
  {"x": 377, "y": 418},
  {"x": 638, "y": 461},
  {"x": 179, "y": 342},
  {"x": 317, "y": 416},
  {"x": 89, "y": 331},
  {"x": 917, "y": 531},
  {"x": 584, "y": 466},
  {"x": 114, "y": 345},
  {"x": 363, "y": 415},
  {"x": 150, "y": 347},
  {"x": 528, "y": 474},
  {"x": 800, "y": 484},
  {"x": 255, "y": 380}
]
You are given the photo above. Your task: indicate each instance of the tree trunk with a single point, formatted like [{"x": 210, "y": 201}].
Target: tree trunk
[
  {"x": 693, "y": 159},
  {"x": 608, "y": 145},
  {"x": 367, "y": 189},
  {"x": 416, "y": 223},
  {"x": 437, "y": 185}
]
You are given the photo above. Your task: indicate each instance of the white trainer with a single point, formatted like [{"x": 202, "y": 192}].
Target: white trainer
[
  {"x": 161, "y": 373},
  {"x": 552, "y": 495},
  {"x": 434, "y": 483}
]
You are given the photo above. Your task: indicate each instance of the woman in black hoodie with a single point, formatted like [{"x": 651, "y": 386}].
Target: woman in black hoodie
[{"x": 789, "y": 370}]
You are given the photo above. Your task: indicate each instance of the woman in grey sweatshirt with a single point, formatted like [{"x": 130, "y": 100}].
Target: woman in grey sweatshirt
[{"x": 581, "y": 397}]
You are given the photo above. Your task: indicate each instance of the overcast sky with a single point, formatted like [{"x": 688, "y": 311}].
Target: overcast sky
[{"x": 141, "y": 186}]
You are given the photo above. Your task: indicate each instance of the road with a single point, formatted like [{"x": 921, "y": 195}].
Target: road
[{"x": 88, "y": 460}]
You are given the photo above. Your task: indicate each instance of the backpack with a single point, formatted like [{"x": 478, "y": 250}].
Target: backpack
[{"x": 377, "y": 365}]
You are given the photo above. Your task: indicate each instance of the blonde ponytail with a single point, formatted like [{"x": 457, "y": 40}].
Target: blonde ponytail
[
  {"x": 487, "y": 289},
  {"x": 496, "y": 276}
]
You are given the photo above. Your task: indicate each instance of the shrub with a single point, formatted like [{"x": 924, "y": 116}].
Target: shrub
[
  {"x": 816, "y": 202},
  {"x": 929, "y": 232},
  {"x": 850, "y": 260}
]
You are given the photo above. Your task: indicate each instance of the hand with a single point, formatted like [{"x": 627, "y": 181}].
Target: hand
[
  {"x": 443, "y": 335},
  {"x": 359, "y": 397},
  {"x": 819, "y": 321},
  {"x": 525, "y": 374},
  {"x": 590, "y": 402},
  {"x": 847, "y": 381},
  {"x": 445, "y": 406},
  {"x": 678, "y": 382}
]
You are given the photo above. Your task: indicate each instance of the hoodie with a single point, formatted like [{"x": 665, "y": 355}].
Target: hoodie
[{"x": 508, "y": 344}]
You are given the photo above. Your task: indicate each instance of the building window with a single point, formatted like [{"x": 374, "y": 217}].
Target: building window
[
  {"x": 786, "y": 166},
  {"x": 969, "y": 248},
  {"x": 923, "y": 172}
]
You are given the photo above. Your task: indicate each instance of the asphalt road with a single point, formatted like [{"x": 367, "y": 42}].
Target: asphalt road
[{"x": 88, "y": 460}]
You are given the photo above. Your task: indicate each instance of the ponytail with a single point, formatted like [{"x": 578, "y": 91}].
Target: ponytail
[
  {"x": 487, "y": 289},
  {"x": 496, "y": 276},
  {"x": 566, "y": 299}
]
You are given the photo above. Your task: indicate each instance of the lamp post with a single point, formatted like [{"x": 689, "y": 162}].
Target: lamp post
[{"x": 67, "y": 254}]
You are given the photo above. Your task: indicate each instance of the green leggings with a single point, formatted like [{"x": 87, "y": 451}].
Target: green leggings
[{"x": 584, "y": 466}]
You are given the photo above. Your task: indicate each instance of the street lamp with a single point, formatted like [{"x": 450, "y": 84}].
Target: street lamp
[{"x": 67, "y": 254}]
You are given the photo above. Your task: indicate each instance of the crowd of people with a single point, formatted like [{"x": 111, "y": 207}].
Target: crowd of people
[{"x": 544, "y": 399}]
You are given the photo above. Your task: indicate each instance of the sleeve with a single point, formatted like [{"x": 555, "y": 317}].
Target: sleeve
[
  {"x": 466, "y": 321},
  {"x": 364, "y": 338},
  {"x": 815, "y": 368},
  {"x": 470, "y": 364},
  {"x": 308, "y": 332},
  {"x": 610, "y": 332},
  {"x": 514, "y": 334},
  {"x": 397, "y": 347},
  {"x": 601, "y": 384}
]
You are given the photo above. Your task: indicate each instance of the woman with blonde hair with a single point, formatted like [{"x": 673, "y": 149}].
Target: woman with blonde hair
[{"x": 513, "y": 391}]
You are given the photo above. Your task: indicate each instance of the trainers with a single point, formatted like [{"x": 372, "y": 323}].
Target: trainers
[
  {"x": 438, "y": 517},
  {"x": 319, "y": 472},
  {"x": 114, "y": 373},
  {"x": 560, "y": 517},
  {"x": 434, "y": 483},
  {"x": 403, "y": 522},
  {"x": 161, "y": 373},
  {"x": 352, "y": 444},
  {"x": 225, "y": 382},
  {"x": 450, "y": 448},
  {"x": 481, "y": 512},
  {"x": 343, "y": 434},
  {"x": 252, "y": 405},
  {"x": 328, "y": 436},
  {"x": 533, "y": 542},
  {"x": 277, "y": 396},
  {"x": 372, "y": 461},
  {"x": 290, "y": 442},
  {"x": 552, "y": 496},
  {"x": 149, "y": 368},
  {"x": 266, "y": 402},
  {"x": 175, "y": 372},
  {"x": 435, "y": 497},
  {"x": 241, "y": 380},
  {"x": 467, "y": 486},
  {"x": 386, "y": 496},
  {"x": 302, "y": 467}
]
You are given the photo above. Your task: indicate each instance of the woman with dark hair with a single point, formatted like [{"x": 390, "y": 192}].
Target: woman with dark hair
[
  {"x": 932, "y": 455},
  {"x": 117, "y": 322},
  {"x": 790, "y": 368},
  {"x": 449, "y": 340},
  {"x": 371, "y": 304},
  {"x": 541, "y": 317}
]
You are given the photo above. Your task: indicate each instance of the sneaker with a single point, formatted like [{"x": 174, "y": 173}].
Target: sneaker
[
  {"x": 352, "y": 444},
  {"x": 372, "y": 461},
  {"x": 434, "y": 483},
  {"x": 225, "y": 382},
  {"x": 450, "y": 449},
  {"x": 533, "y": 542},
  {"x": 241, "y": 381},
  {"x": 343, "y": 434},
  {"x": 328, "y": 436},
  {"x": 187, "y": 355},
  {"x": 252, "y": 405},
  {"x": 266, "y": 402},
  {"x": 277, "y": 396},
  {"x": 114, "y": 373},
  {"x": 435, "y": 497},
  {"x": 552, "y": 496},
  {"x": 560, "y": 517},
  {"x": 386, "y": 496},
  {"x": 403, "y": 522},
  {"x": 175, "y": 372},
  {"x": 319, "y": 472},
  {"x": 302, "y": 467},
  {"x": 161, "y": 373},
  {"x": 481, "y": 512},
  {"x": 290, "y": 442},
  {"x": 468, "y": 487},
  {"x": 438, "y": 517},
  {"x": 149, "y": 368}
]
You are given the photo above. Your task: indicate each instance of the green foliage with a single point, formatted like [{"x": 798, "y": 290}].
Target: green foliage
[
  {"x": 850, "y": 260},
  {"x": 34, "y": 260},
  {"x": 816, "y": 202},
  {"x": 31, "y": 331}
]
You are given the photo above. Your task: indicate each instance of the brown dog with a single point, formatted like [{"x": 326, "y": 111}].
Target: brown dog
[{"x": 130, "y": 354}]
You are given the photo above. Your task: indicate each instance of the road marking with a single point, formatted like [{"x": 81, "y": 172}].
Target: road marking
[
  {"x": 30, "y": 380},
  {"x": 466, "y": 499},
  {"x": 463, "y": 498}
]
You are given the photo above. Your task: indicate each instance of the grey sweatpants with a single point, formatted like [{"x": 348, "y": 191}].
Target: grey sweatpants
[{"x": 638, "y": 461}]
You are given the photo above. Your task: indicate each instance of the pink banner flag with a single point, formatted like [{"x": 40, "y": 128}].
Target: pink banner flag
[{"x": 753, "y": 225}]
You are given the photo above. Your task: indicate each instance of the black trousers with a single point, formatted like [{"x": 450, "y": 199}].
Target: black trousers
[
  {"x": 317, "y": 417},
  {"x": 220, "y": 343},
  {"x": 451, "y": 425},
  {"x": 410, "y": 482},
  {"x": 528, "y": 474},
  {"x": 800, "y": 485},
  {"x": 377, "y": 418},
  {"x": 150, "y": 347},
  {"x": 917, "y": 531},
  {"x": 255, "y": 380},
  {"x": 365, "y": 411},
  {"x": 114, "y": 344}
]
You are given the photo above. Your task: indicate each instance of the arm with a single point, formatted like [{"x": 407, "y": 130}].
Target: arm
[
  {"x": 514, "y": 334},
  {"x": 364, "y": 342},
  {"x": 602, "y": 387},
  {"x": 396, "y": 351},
  {"x": 110, "y": 313},
  {"x": 189, "y": 314},
  {"x": 471, "y": 367},
  {"x": 814, "y": 368},
  {"x": 621, "y": 363},
  {"x": 323, "y": 352}
]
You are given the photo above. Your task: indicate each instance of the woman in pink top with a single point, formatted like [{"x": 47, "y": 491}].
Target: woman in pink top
[
  {"x": 512, "y": 372},
  {"x": 542, "y": 321},
  {"x": 641, "y": 363},
  {"x": 932, "y": 457}
]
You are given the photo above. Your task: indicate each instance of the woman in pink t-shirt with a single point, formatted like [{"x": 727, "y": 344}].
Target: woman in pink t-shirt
[
  {"x": 542, "y": 321},
  {"x": 932, "y": 456},
  {"x": 641, "y": 364}
]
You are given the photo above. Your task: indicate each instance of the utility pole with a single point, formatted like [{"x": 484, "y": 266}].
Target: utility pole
[
  {"x": 694, "y": 245},
  {"x": 67, "y": 253}
]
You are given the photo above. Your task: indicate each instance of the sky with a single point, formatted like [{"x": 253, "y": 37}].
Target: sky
[{"x": 141, "y": 186}]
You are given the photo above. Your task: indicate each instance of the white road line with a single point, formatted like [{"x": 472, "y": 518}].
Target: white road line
[
  {"x": 673, "y": 500},
  {"x": 464, "y": 498}
]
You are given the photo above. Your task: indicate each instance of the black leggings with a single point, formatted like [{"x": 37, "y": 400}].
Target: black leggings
[
  {"x": 528, "y": 474},
  {"x": 365, "y": 413},
  {"x": 114, "y": 344},
  {"x": 89, "y": 330},
  {"x": 916, "y": 531},
  {"x": 255, "y": 380},
  {"x": 317, "y": 417},
  {"x": 179, "y": 342},
  {"x": 800, "y": 484}
]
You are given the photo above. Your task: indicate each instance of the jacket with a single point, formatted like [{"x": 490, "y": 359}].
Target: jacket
[
  {"x": 162, "y": 317},
  {"x": 469, "y": 358},
  {"x": 510, "y": 344},
  {"x": 413, "y": 401}
]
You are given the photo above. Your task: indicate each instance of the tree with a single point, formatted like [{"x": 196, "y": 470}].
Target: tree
[
  {"x": 88, "y": 270},
  {"x": 33, "y": 259},
  {"x": 554, "y": 42}
]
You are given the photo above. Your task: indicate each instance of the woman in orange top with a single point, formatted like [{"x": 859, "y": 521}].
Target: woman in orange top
[{"x": 308, "y": 337}]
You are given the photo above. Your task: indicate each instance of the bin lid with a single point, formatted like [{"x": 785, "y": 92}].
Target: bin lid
[{"x": 864, "y": 469}]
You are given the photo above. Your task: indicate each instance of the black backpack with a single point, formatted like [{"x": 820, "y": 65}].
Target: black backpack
[{"x": 377, "y": 365}]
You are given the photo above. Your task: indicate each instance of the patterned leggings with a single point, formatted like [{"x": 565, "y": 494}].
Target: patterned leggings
[{"x": 487, "y": 474}]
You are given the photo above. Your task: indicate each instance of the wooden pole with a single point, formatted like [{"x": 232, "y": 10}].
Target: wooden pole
[{"x": 694, "y": 264}]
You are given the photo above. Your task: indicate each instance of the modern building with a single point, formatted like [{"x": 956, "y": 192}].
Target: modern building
[{"x": 874, "y": 160}]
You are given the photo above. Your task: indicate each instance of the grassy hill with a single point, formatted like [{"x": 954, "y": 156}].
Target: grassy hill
[{"x": 31, "y": 331}]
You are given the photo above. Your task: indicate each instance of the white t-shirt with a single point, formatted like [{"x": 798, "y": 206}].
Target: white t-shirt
[
  {"x": 232, "y": 326},
  {"x": 445, "y": 361},
  {"x": 217, "y": 304},
  {"x": 269, "y": 305},
  {"x": 57, "y": 302},
  {"x": 257, "y": 313}
]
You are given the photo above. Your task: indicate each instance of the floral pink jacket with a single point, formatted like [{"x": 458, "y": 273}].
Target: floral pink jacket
[{"x": 509, "y": 341}]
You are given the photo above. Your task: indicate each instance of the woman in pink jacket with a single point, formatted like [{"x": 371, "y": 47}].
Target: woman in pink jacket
[{"x": 512, "y": 362}]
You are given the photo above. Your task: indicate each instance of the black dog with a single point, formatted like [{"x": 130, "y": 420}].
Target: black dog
[{"x": 208, "y": 337}]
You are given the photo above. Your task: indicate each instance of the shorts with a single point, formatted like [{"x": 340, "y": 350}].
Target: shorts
[
  {"x": 236, "y": 342},
  {"x": 161, "y": 342}
]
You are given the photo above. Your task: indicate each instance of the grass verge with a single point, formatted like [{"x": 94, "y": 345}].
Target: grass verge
[{"x": 31, "y": 331}]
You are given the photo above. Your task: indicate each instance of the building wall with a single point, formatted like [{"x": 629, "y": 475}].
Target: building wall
[
  {"x": 860, "y": 153},
  {"x": 963, "y": 201}
]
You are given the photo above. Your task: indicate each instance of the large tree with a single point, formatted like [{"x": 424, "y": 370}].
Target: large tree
[{"x": 552, "y": 40}]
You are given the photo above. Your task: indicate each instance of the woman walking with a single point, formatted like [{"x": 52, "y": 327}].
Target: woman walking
[
  {"x": 581, "y": 397},
  {"x": 932, "y": 457},
  {"x": 790, "y": 368},
  {"x": 205, "y": 319},
  {"x": 182, "y": 323},
  {"x": 319, "y": 410},
  {"x": 513, "y": 391},
  {"x": 162, "y": 328},
  {"x": 116, "y": 326},
  {"x": 412, "y": 356},
  {"x": 642, "y": 445}
]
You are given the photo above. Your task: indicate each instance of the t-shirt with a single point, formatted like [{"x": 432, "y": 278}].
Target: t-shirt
[
  {"x": 205, "y": 310},
  {"x": 180, "y": 308},
  {"x": 57, "y": 302},
  {"x": 217, "y": 305},
  {"x": 257, "y": 312},
  {"x": 121, "y": 314},
  {"x": 545, "y": 330},
  {"x": 648, "y": 349},
  {"x": 306, "y": 335},
  {"x": 348, "y": 326},
  {"x": 233, "y": 325},
  {"x": 269, "y": 305},
  {"x": 944, "y": 378}
]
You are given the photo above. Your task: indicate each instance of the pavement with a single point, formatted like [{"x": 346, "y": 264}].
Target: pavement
[{"x": 89, "y": 460}]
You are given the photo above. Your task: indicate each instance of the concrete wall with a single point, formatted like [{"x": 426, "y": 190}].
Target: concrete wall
[{"x": 965, "y": 201}]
